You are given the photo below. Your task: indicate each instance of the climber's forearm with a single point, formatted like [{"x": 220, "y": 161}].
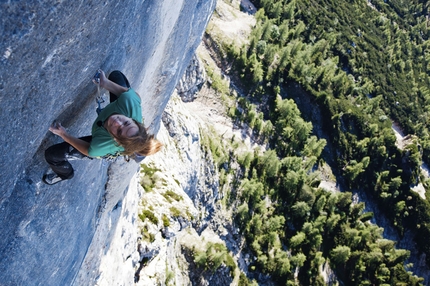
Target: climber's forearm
[
  {"x": 113, "y": 87},
  {"x": 79, "y": 144}
]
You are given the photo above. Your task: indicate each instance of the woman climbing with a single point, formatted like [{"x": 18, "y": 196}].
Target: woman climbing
[{"x": 116, "y": 131}]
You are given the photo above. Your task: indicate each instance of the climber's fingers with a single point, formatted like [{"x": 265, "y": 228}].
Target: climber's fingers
[{"x": 57, "y": 129}]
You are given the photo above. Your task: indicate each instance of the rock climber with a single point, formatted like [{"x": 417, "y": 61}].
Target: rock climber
[{"x": 116, "y": 131}]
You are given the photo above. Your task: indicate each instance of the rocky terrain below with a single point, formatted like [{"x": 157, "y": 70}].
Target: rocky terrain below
[{"x": 180, "y": 204}]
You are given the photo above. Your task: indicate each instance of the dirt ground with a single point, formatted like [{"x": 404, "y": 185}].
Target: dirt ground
[{"x": 229, "y": 23}]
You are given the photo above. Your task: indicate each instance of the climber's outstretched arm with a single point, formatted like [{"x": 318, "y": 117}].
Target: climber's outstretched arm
[
  {"x": 80, "y": 145},
  {"x": 110, "y": 85}
]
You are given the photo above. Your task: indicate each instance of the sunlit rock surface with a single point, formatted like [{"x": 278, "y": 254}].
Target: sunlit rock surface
[
  {"x": 192, "y": 80},
  {"x": 53, "y": 235}
]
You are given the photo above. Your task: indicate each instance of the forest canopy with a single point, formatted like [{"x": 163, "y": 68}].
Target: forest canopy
[{"x": 365, "y": 66}]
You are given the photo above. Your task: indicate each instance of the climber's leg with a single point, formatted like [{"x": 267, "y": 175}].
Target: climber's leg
[
  {"x": 118, "y": 78},
  {"x": 58, "y": 156}
]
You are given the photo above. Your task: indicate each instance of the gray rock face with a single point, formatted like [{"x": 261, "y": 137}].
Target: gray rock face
[
  {"x": 48, "y": 55},
  {"x": 192, "y": 81},
  {"x": 190, "y": 172}
]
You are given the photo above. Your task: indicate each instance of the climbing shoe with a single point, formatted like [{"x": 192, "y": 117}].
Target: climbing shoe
[{"x": 51, "y": 179}]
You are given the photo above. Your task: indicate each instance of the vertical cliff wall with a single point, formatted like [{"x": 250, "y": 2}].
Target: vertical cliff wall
[{"x": 49, "y": 52}]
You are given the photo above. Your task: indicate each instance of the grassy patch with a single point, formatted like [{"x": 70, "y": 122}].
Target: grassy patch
[
  {"x": 148, "y": 179},
  {"x": 166, "y": 221},
  {"x": 189, "y": 215},
  {"x": 146, "y": 235},
  {"x": 217, "y": 146},
  {"x": 177, "y": 182},
  {"x": 175, "y": 212},
  {"x": 148, "y": 169},
  {"x": 171, "y": 195},
  {"x": 147, "y": 214},
  {"x": 213, "y": 257},
  {"x": 169, "y": 276},
  {"x": 217, "y": 82}
]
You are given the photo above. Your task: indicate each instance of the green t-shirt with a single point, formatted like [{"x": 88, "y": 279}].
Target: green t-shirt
[{"x": 102, "y": 143}]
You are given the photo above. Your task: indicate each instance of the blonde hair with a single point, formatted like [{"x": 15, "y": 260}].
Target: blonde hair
[{"x": 141, "y": 143}]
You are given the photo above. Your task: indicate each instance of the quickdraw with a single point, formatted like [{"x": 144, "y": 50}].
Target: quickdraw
[
  {"x": 100, "y": 96},
  {"x": 99, "y": 99}
]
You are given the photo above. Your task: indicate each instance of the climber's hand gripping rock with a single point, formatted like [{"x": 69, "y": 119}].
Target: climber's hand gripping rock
[{"x": 58, "y": 129}]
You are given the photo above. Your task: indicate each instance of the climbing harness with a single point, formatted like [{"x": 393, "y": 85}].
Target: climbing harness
[
  {"x": 111, "y": 157},
  {"x": 114, "y": 157}
]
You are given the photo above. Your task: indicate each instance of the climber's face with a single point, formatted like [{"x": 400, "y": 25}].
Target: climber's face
[{"x": 121, "y": 126}]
